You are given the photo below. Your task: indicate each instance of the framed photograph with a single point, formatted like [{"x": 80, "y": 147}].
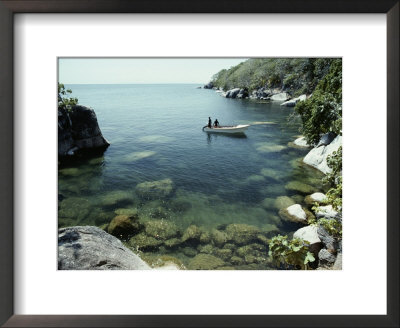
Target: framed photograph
[{"x": 193, "y": 172}]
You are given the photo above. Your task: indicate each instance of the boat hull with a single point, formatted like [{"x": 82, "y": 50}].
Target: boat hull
[{"x": 227, "y": 129}]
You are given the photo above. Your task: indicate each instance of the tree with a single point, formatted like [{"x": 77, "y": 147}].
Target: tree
[
  {"x": 322, "y": 112},
  {"x": 65, "y": 103}
]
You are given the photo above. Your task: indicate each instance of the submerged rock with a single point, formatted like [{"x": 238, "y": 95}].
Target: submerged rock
[
  {"x": 193, "y": 232},
  {"x": 224, "y": 253},
  {"x": 143, "y": 241},
  {"x": 219, "y": 238},
  {"x": 90, "y": 248},
  {"x": 79, "y": 132},
  {"x": 283, "y": 202},
  {"x": 74, "y": 208},
  {"x": 205, "y": 262},
  {"x": 242, "y": 233},
  {"x": 173, "y": 242},
  {"x": 123, "y": 226},
  {"x": 299, "y": 186},
  {"x": 116, "y": 197},
  {"x": 155, "y": 189},
  {"x": 161, "y": 229}
]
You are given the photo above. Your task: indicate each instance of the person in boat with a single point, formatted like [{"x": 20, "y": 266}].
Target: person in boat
[
  {"x": 216, "y": 123},
  {"x": 209, "y": 122}
]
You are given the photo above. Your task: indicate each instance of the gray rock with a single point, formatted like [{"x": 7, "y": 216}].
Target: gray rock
[
  {"x": 209, "y": 85},
  {"x": 325, "y": 257},
  {"x": 79, "y": 132},
  {"x": 90, "y": 248},
  {"x": 327, "y": 240},
  {"x": 338, "y": 262},
  {"x": 326, "y": 139},
  {"x": 318, "y": 155},
  {"x": 308, "y": 234},
  {"x": 301, "y": 142},
  {"x": 326, "y": 212},
  {"x": 282, "y": 96},
  {"x": 232, "y": 93}
]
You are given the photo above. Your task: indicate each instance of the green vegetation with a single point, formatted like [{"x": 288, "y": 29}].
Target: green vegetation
[
  {"x": 65, "y": 102},
  {"x": 322, "y": 112},
  {"x": 334, "y": 194},
  {"x": 290, "y": 253},
  {"x": 294, "y": 75},
  {"x": 332, "y": 226}
]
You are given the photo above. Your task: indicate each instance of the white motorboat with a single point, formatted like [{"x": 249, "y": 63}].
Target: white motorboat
[{"x": 227, "y": 129}]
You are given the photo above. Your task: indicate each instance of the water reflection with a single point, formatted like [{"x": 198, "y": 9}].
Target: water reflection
[{"x": 214, "y": 136}]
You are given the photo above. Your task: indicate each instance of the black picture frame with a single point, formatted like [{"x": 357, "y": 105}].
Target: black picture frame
[{"x": 10, "y": 7}]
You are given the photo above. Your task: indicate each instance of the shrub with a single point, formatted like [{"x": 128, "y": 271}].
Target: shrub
[
  {"x": 322, "y": 112},
  {"x": 290, "y": 253},
  {"x": 65, "y": 103}
]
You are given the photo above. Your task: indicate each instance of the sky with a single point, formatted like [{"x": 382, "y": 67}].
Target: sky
[{"x": 141, "y": 70}]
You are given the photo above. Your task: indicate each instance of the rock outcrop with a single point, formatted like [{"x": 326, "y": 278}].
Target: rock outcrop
[
  {"x": 318, "y": 155},
  {"x": 294, "y": 101},
  {"x": 209, "y": 85},
  {"x": 295, "y": 213},
  {"x": 237, "y": 93},
  {"x": 90, "y": 248},
  {"x": 79, "y": 132}
]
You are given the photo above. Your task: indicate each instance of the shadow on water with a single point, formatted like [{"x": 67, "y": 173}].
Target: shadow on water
[{"x": 213, "y": 136}]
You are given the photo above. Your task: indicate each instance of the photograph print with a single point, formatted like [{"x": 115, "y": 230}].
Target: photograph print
[{"x": 199, "y": 163}]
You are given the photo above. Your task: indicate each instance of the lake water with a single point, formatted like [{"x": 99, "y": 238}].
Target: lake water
[{"x": 156, "y": 133}]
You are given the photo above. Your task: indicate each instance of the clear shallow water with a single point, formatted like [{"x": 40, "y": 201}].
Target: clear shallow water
[{"x": 155, "y": 134}]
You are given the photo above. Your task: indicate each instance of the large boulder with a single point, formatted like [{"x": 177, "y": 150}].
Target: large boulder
[
  {"x": 90, "y": 248},
  {"x": 317, "y": 197},
  {"x": 326, "y": 212},
  {"x": 155, "y": 189},
  {"x": 295, "y": 213},
  {"x": 325, "y": 257},
  {"x": 209, "y": 85},
  {"x": 282, "y": 96},
  {"x": 310, "y": 235},
  {"x": 205, "y": 262},
  {"x": 294, "y": 101},
  {"x": 243, "y": 93},
  {"x": 318, "y": 155},
  {"x": 327, "y": 240},
  {"x": 79, "y": 132},
  {"x": 301, "y": 142},
  {"x": 232, "y": 93},
  {"x": 124, "y": 225}
]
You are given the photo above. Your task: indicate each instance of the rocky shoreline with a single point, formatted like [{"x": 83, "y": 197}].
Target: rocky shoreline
[
  {"x": 263, "y": 93},
  {"x": 79, "y": 133}
]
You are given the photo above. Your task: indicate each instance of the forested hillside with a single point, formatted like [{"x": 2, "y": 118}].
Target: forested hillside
[{"x": 294, "y": 75}]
